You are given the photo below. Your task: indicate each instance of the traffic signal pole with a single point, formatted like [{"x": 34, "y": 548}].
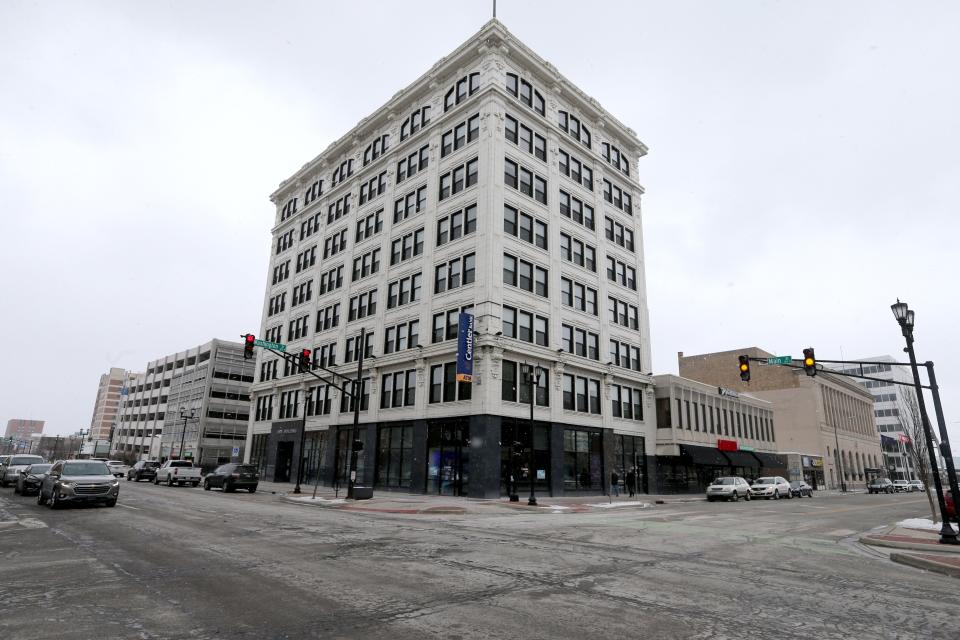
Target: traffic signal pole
[{"x": 358, "y": 394}]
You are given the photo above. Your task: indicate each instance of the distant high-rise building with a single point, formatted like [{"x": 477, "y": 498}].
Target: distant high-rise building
[
  {"x": 23, "y": 429},
  {"x": 108, "y": 402}
]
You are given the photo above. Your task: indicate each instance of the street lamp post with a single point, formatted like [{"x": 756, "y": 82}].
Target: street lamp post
[
  {"x": 80, "y": 449},
  {"x": 183, "y": 434},
  {"x": 533, "y": 376},
  {"x": 905, "y": 318}
]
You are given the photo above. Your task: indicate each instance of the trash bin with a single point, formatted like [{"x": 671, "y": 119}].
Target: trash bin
[{"x": 361, "y": 493}]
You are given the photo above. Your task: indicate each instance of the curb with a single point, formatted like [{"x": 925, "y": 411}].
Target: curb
[
  {"x": 912, "y": 546},
  {"x": 926, "y": 563}
]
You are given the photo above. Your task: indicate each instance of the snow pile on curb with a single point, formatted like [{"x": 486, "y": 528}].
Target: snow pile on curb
[
  {"x": 556, "y": 507},
  {"x": 614, "y": 505},
  {"x": 309, "y": 500},
  {"x": 919, "y": 523}
]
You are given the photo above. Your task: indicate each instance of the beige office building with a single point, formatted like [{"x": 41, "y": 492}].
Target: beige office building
[
  {"x": 815, "y": 415},
  {"x": 107, "y": 403}
]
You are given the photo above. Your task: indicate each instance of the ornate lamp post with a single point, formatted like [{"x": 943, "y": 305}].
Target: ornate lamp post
[
  {"x": 533, "y": 374},
  {"x": 905, "y": 318}
]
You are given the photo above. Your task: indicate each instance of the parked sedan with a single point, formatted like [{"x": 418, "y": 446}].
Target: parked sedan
[
  {"x": 30, "y": 478},
  {"x": 728, "y": 488},
  {"x": 800, "y": 488},
  {"x": 917, "y": 485},
  {"x": 143, "y": 470},
  {"x": 771, "y": 487},
  {"x": 231, "y": 477},
  {"x": 78, "y": 481}
]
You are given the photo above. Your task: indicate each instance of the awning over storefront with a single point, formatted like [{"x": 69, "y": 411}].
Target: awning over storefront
[
  {"x": 771, "y": 460},
  {"x": 741, "y": 459},
  {"x": 704, "y": 455}
]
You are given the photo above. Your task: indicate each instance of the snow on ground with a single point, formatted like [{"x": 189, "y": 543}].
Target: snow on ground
[
  {"x": 614, "y": 505},
  {"x": 555, "y": 507},
  {"x": 919, "y": 523},
  {"x": 315, "y": 500}
]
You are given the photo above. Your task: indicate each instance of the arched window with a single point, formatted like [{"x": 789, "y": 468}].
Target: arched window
[
  {"x": 461, "y": 90},
  {"x": 526, "y": 93}
]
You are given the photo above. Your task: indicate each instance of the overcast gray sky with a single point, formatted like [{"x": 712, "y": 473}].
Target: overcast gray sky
[{"x": 803, "y": 169}]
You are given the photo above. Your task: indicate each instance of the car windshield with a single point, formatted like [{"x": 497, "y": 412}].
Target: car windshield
[
  {"x": 15, "y": 460},
  {"x": 765, "y": 481},
  {"x": 724, "y": 481},
  {"x": 181, "y": 463},
  {"x": 114, "y": 462},
  {"x": 85, "y": 468},
  {"x": 39, "y": 468},
  {"x": 795, "y": 484}
]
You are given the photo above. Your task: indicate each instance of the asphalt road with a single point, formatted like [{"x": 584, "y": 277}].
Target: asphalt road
[{"x": 184, "y": 563}]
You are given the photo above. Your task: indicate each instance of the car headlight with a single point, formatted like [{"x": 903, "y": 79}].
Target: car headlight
[
  {"x": 115, "y": 483},
  {"x": 66, "y": 483}
]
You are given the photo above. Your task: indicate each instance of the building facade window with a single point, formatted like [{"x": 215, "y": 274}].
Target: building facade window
[
  {"x": 414, "y": 122},
  {"x": 578, "y": 296},
  {"x": 373, "y": 187},
  {"x": 410, "y": 205},
  {"x": 526, "y": 93},
  {"x": 395, "y": 456},
  {"x": 525, "y": 138},
  {"x": 623, "y": 313},
  {"x": 577, "y": 210},
  {"x": 376, "y": 149},
  {"x": 362, "y": 305},
  {"x": 580, "y": 342},
  {"x": 455, "y": 273},
  {"x": 334, "y": 244},
  {"x": 342, "y": 172},
  {"x": 446, "y": 324},
  {"x": 574, "y": 128},
  {"x": 524, "y": 180},
  {"x": 306, "y": 259},
  {"x": 582, "y": 460},
  {"x": 524, "y": 226},
  {"x": 458, "y": 179},
  {"x": 413, "y": 163},
  {"x": 444, "y": 386},
  {"x": 369, "y": 226},
  {"x": 404, "y": 291},
  {"x": 618, "y": 197},
  {"x": 575, "y": 169},
  {"x": 581, "y": 394},
  {"x": 405, "y": 335},
  {"x": 578, "y": 252},
  {"x": 460, "y": 136},
  {"x": 407, "y": 246},
  {"x": 613, "y": 155},
  {"x": 621, "y": 273},
  {"x": 398, "y": 389},
  {"x": 366, "y": 264},
  {"x": 525, "y": 326},
  {"x": 525, "y": 275},
  {"x": 619, "y": 234},
  {"x": 626, "y": 402},
  {"x": 331, "y": 280},
  {"x": 328, "y": 317},
  {"x": 461, "y": 90},
  {"x": 457, "y": 224},
  {"x": 625, "y": 355}
]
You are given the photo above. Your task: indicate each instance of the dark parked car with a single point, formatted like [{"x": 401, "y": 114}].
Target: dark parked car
[
  {"x": 143, "y": 470},
  {"x": 231, "y": 477},
  {"x": 880, "y": 485},
  {"x": 800, "y": 488},
  {"x": 30, "y": 478},
  {"x": 78, "y": 481}
]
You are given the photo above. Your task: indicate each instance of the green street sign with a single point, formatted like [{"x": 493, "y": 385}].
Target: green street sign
[
  {"x": 780, "y": 360},
  {"x": 276, "y": 346}
]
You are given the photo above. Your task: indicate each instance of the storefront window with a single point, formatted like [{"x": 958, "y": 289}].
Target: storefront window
[
  {"x": 519, "y": 431},
  {"x": 629, "y": 456},
  {"x": 394, "y": 456},
  {"x": 258, "y": 453},
  {"x": 314, "y": 448},
  {"x": 582, "y": 460}
]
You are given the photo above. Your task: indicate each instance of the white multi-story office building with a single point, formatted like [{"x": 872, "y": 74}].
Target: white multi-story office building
[
  {"x": 211, "y": 380},
  {"x": 889, "y": 401},
  {"x": 494, "y": 186}
]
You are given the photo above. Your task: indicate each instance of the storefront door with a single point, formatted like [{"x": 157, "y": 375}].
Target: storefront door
[
  {"x": 448, "y": 458},
  {"x": 284, "y": 462}
]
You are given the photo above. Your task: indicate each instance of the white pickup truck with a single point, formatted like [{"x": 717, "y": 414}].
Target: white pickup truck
[{"x": 178, "y": 472}]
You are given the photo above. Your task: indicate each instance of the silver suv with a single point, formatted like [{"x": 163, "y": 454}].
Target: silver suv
[
  {"x": 728, "y": 488},
  {"x": 79, "y": 481},
  {"x": 12, "y": 467},
  {"x": 771, "y": 487}
]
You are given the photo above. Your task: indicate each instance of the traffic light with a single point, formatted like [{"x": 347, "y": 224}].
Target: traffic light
[
  {"x": 357, "y": 446},
  {"x": 809, "y": 362},
  {"x": 305, "y": 360},
  {"x": 745, "y": 368},
  {"x": 248, "y": 341}
]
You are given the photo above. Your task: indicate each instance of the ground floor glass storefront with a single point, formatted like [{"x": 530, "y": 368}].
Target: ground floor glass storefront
[
  {"x": 583, "y": 460},
  {"x": 448, "y": 457},
  {"x": 630, "y": 461},
  {"x": 394, "y": 456},
  {"x": 516, "y": 444}
]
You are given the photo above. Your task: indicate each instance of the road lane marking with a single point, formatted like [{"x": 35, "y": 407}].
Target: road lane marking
[{"x": 126, "y": 506}]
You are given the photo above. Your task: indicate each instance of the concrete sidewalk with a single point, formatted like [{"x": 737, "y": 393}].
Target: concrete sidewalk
[
  {"x": 426, "y": 504},
  {"x": 918, "y": 548}
]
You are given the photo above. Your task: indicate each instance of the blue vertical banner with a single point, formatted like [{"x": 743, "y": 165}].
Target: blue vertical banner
[{"x": 465, "y": 349}]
